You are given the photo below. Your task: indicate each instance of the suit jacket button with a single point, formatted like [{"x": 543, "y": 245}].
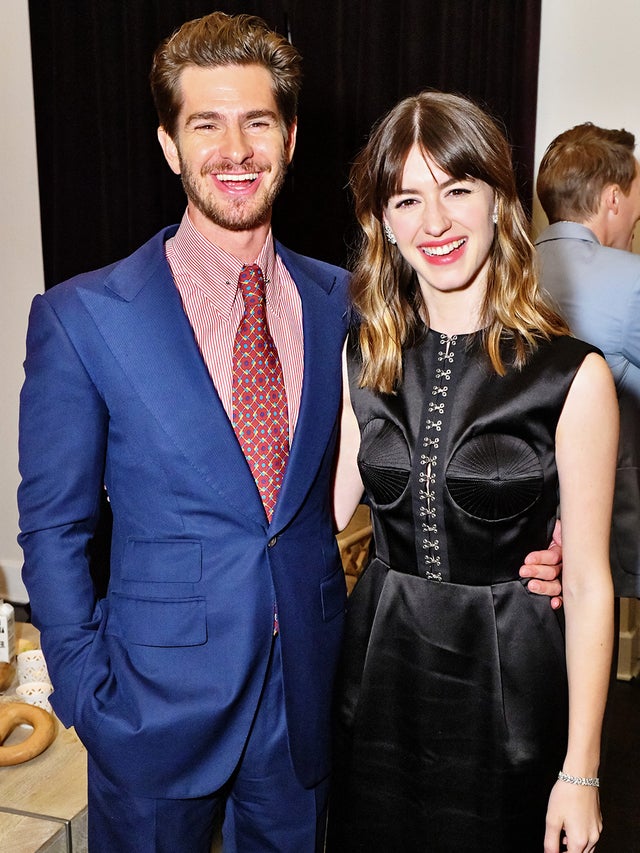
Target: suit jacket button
[{"x": 272, "y": 542}]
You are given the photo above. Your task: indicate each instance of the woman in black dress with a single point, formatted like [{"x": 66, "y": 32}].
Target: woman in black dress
[{"x": 469, "y": 714}]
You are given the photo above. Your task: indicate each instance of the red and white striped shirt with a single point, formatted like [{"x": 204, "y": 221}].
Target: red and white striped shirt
[{"x": 207, "y": 280}]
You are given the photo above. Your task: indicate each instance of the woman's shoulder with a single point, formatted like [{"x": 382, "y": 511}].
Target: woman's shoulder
[
  {"x": 557, "y": 356},
  {"x": 569, "y": 347},
  {"x": 558, "y": 360}
]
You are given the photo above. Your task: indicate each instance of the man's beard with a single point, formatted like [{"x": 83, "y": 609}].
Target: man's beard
[{"x": 240, "y": 214}]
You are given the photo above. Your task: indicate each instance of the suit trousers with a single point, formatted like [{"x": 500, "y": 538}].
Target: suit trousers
[{"x": 265, "y": 808}]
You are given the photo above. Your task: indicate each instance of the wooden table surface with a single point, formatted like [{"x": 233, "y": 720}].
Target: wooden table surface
[{"x": 43, "y": 802}]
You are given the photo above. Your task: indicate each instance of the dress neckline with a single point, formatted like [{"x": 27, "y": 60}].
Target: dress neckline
[{"x": 457, "y": 335}]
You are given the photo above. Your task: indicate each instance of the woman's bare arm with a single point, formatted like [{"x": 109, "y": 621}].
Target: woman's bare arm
[
  {"x": 347, "y": 488},
  {"x": 586, "y": 448}
]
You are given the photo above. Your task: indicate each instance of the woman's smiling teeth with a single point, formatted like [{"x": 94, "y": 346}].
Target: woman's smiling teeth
[{"x": 445, "y": 249}]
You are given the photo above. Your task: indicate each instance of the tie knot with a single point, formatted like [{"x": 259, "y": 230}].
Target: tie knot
[{"x": 251, "y": 282}]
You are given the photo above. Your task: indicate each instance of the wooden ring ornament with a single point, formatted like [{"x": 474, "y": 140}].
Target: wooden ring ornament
[{"x": 14, "y": 714}]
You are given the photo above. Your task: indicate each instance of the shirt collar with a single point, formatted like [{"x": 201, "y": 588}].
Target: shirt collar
[
  {"x": 215, "y": 272},
  {"x": 565, "y": 228}
]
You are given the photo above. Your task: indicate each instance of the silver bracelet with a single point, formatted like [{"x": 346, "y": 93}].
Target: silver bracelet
[{"x": 593, "y": 782}]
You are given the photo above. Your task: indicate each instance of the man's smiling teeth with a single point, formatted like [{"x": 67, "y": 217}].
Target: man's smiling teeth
[
  {"x": 443, "y": 250},
  {"x": 238, "y": 177}
]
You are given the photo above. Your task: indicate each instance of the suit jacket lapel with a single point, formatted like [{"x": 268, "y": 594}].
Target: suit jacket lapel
[{"x": 323, "y": 330}]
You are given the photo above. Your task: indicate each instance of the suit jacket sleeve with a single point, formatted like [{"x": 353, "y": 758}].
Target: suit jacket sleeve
[{"x": 63, "y": 433}]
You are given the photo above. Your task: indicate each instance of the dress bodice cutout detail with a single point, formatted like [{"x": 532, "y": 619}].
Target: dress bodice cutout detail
[
  {"x": 384, "y": 461},
  {"x": 495, "y": 477}
]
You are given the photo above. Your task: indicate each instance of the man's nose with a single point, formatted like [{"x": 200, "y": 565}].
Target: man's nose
[{"x": 236, "y": 145}]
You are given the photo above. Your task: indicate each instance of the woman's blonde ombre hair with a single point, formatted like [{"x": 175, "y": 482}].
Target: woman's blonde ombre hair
[{"x": 466, "y": 143}]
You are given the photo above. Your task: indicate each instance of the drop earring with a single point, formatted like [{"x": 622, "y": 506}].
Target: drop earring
[
  {"x": 495, "y": 214},
  {"x": 391, "y": 237}
]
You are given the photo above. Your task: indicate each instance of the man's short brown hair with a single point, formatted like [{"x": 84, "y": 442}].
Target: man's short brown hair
[
  {"x": 578, "y": 165},
  {"x": 219, "y": 40}
]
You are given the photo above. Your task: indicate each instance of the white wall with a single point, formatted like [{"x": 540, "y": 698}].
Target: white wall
[
  {"x": 589, "y": 71},
  {"x": 20, "y": 262}
]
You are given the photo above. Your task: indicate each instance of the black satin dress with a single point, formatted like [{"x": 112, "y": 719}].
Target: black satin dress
[{"x": 452, "y": 697}]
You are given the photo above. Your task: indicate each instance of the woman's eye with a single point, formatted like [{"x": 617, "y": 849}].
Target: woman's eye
[{"x": 404, "y": 202}]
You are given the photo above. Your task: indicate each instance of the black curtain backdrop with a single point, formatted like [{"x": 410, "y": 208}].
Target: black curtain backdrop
[{"x": 104, "y": 185}]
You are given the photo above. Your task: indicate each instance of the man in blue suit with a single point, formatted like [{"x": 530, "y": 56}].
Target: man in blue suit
[
  {"x": 589, "y": 187},
  {"x": 202, "y": 680}
]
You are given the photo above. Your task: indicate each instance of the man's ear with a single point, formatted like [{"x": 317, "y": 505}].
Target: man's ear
[
  {"x": 610, "y": 198},
  {"x": 169, "y": 150},
  {"x": 290, "y": 143}
]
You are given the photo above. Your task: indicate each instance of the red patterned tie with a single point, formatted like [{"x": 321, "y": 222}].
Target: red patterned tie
[{"x": 260, "y": 416}]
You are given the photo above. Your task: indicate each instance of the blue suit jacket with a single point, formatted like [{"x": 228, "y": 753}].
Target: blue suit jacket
[
  {"x": 597, "y": 289},
  {"x": 162, "y": 677}
]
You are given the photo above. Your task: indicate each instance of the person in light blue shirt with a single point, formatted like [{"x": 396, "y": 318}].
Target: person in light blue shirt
[{"x": 589, "y": 187}]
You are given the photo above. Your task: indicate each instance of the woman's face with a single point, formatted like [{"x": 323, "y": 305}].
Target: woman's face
[{"x": 444, "y": 227}]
